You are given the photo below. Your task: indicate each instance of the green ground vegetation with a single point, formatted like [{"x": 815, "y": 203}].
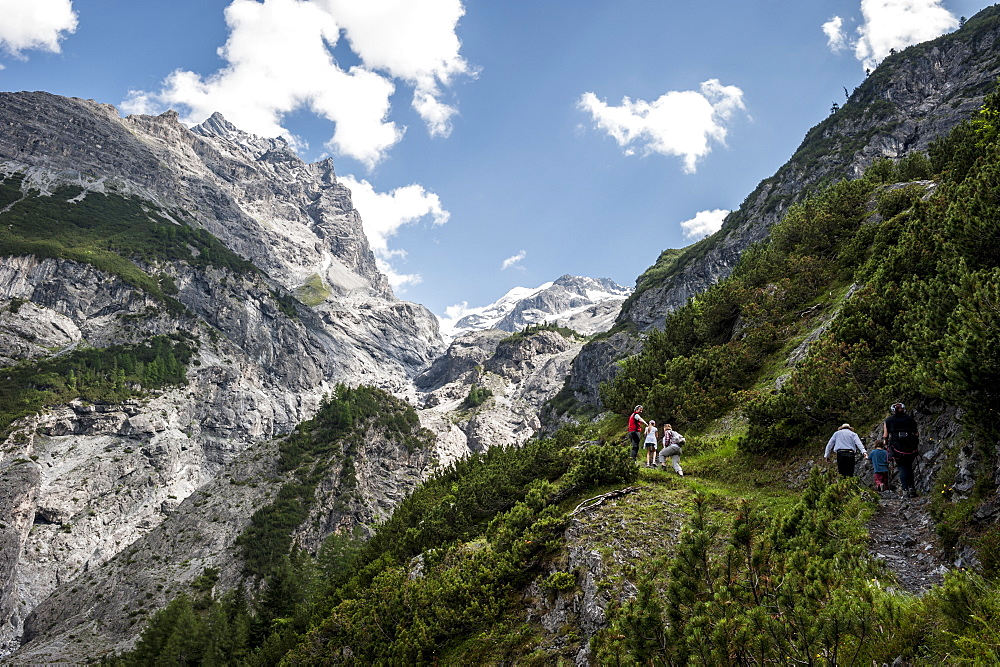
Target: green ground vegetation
[
  {"x": 312, "y": 292},
  {"x": 532, "y": 329},
  {"x": 96, "y": 375},
  {"x": 477, "y": 396},
  {"x": 112, "y": 232},
  {"x": 794, "y": 587}
]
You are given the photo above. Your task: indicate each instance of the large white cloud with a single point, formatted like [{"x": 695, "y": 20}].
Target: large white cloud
[
  {"x": 278, "y": 60},
  {"x": 35, "y": 24},
  {"x": 891, "y": 25},
  {"x": 384, "y": 213},
  {"x": 412, "y": 40},
  {"x": 681, "y": 123},
  {"x": 704, "y": 223}
]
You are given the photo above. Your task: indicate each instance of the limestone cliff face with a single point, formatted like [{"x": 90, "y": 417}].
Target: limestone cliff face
[
  {"x": 521, "y": 371},
  {"x": 112, "y": 594},
  {"x": 81, "y": 482},
  {"x": 912, "y": 98}
]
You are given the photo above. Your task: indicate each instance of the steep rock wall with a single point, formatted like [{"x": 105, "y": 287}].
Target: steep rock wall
[{"x": 81, "y": 482}]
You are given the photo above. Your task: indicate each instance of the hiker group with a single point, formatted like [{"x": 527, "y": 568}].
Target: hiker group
[
  {"x": 898, "y": 446},
  {"x": 671, "y": 441}
]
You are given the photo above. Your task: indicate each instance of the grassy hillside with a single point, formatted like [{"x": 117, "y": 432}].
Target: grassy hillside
[{"x": 113, "y": 233}]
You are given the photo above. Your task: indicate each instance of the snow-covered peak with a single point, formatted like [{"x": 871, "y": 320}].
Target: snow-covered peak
[{"x": 586, "y": 305}]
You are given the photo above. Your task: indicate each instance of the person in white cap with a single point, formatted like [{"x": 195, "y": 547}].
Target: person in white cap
[{"x": 845, "y": 442}]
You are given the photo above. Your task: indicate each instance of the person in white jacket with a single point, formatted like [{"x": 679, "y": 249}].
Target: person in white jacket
[{"x": 845, "y": 442}]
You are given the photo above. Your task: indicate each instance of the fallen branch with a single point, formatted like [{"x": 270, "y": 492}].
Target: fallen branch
[{"x": 596, "y": 501}]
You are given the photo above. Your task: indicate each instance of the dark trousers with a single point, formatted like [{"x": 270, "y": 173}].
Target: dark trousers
[
  {"x": 904, "y": 464},
  {"x": 845, "y": 462},
  {"x": 634, "y": 437}
]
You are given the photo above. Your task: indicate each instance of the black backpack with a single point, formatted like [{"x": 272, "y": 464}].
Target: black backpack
[{"x": 903, "y": 439}]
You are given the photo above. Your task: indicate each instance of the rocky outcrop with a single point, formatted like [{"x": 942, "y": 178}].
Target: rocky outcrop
[
  {"x": 521, "y": 372},
  {"x": 605, "y": 549},
  {"x": 593, "y": 366},
  {"x": 463, "y": 356}
]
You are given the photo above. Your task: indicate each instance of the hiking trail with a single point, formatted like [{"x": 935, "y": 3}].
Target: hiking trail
[{"x": 902, "y": 535}]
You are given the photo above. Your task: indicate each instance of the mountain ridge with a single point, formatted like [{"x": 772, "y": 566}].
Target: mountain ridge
[
  {"x": 910, "y": 99},
  {"x": 579, "y": 303}
]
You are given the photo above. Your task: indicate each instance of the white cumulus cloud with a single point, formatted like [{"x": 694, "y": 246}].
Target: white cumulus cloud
[
  {"x": 35, "y": 24},
  {"x": 279, "y": 60},
  {"x": 889, "y": 25},
  {"x": 704, "y": 223},
  {"x": 680, "y": 123},
  {"x": 384, "y": 213},
  {"x": 514, "y": 260},
  {"x": 412, "y": 40},
  {"x": 834, "y": 31}
]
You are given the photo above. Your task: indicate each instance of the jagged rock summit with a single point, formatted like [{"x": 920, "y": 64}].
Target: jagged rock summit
[
  {"x": 586, "y": 305},
  {"x": 121, "y": 233},
  {"x": 258, "y": 263}
]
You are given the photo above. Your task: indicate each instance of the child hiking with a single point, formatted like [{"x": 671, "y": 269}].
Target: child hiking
[
  {"x": 880, "y": 465},
  {"x": 651, "y": 444}
]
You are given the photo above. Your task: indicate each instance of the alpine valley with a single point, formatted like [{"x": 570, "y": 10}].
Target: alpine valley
[{"x": 224, "y": 440}]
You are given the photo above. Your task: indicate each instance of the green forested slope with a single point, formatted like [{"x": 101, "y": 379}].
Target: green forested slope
[
  {"x": 831, "y": 145},
  {"x": 921, "y": 262}
]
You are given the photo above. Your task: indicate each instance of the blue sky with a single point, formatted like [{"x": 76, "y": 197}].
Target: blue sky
[{"x": 498, "y": 143}]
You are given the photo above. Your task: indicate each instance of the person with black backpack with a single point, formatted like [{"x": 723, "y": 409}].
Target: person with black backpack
[{"x": 900, "y": 431}]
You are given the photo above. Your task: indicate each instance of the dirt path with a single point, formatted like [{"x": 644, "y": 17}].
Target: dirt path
[{"x": 902, "y": 535}]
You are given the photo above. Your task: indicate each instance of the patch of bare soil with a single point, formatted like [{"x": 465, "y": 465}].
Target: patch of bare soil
[{"x": 902, "y": 535}]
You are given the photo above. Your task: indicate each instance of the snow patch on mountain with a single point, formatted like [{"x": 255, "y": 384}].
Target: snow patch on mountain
[{"x": 586, "y": 305}]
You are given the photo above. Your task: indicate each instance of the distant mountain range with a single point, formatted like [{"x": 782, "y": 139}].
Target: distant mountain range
[{"x": 586, "y": 305}]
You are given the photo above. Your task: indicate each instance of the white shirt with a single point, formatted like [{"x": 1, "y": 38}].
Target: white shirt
[{"x": 844, "y": 440}]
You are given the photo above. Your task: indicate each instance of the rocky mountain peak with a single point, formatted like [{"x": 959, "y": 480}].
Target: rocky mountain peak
[
  {"x": 250, "y": 266},
  {"x": 586, "y": 305},
  {"x": 217, "y": 126}
]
